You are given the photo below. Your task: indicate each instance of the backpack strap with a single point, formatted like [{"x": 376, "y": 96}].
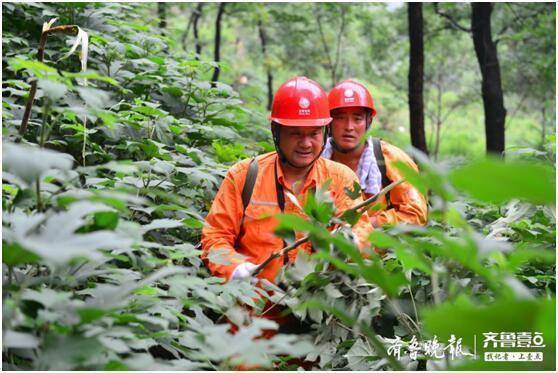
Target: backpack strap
[
  {"x": 250, "y": 181},
  {"x": 380, "y": 160},
  {"x": 281, "y": 202},
  {"x": 248, "y": 189}
]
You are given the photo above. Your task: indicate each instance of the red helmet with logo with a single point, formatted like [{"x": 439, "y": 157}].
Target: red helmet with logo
[
  {"x": 350, "y": 93},
  {"x": 300, "y": 102}
]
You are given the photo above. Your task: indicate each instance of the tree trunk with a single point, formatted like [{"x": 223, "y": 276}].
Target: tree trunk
[
  {"x": 187, "y": 30},
  {"x": 438, "y": 114},
  {"x": 543, "y": 129},
  {"x": 161, "y": 11},
  {"x": 416, "y": 77},
  {"x": 195, "y": 27},
  {"x": 492, "y": 95},
  {"x": 217, "y": 47},
  {"x": 263, "y": 40}
]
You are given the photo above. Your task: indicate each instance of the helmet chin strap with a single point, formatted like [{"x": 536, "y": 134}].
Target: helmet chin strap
[
  {"x": 282, "y": 158},
  {"x": 347, "y": 151}
]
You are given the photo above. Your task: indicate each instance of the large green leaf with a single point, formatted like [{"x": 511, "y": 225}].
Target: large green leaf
[
  {"x": 53, "y": 238},
  {"x": 495, "y": 181},
  {"x": 468, "y": 320},
  {"x": 29, "y": 162}
]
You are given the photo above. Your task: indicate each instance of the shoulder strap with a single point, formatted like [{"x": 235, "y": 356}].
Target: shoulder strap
[
  {"x": 280, "y": 191},
  {"x": 250, "y": 181},
  {"x": 248, "y": 189},
  {"x": 377, "y": 145},
  {"x": 379, "y": 154}
]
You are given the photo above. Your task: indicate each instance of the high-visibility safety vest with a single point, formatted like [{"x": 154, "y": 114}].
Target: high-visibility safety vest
[{"x": 230, "y": 229}]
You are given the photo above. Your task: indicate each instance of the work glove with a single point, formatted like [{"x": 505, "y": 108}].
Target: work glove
[{"x": 244, "y": 271}]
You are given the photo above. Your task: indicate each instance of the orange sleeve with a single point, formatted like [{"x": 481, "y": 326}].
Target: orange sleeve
[
  {"x": 222, "y": 224},
  {"x": 363, "y": 227},
  {"x": 409, "y": 205}
]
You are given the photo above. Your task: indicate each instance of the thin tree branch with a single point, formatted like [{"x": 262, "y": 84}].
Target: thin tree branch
[
  {"x": 188, "y": 26},
  {"x": 452, "y": 21},
  {"x": 338, "y": 51},
  {"x": 324, "y": 43},
  {"x": 217, "y": 47},
  {"x": 304, "y": 239}
]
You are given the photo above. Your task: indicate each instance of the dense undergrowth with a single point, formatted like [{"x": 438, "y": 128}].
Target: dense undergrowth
[{"x": 105, "y": 193}]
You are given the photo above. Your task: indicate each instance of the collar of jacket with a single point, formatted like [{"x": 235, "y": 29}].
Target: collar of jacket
[{"x": 311, "y": 177}]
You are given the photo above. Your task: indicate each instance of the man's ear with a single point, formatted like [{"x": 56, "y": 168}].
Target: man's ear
[{"x": 369, "y": 119}]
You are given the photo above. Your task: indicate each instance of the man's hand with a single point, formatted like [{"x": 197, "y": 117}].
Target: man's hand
[{"x": 244, "y": 271}]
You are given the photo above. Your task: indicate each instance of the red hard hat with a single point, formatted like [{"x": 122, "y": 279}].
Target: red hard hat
[
  {"x": 300, "y": 102},
  {"x": 350, "y": 93}
]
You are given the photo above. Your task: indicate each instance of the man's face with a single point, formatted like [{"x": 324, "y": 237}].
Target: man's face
[
  {"x": 348, "y": 126},
  {"x": 301, "y": 145}
]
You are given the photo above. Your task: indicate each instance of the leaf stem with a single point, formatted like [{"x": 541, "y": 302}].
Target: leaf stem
[
  {"x": 10, "y": 276},
  {"x": 84, "y": 139},
  {"x": 38, "y": 191},
  {"x": 414, "y": 305},
  {"x": 435, "y": 286}
]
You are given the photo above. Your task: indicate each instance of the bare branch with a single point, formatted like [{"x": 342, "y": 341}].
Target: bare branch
[
  {"x": 324, "y": 43},
  {"x": 452, "y": 21},
  {"x": 339, "y": 37}
]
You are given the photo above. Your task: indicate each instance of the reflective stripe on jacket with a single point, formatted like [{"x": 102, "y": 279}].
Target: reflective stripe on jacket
[
  {"x": 408, "y": 204},
  {"x": 222, "y": 224}
]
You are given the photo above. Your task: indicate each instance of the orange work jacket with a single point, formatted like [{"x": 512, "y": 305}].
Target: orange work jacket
[
  {"x": 222, "y": 224},
  {"x": 408, "y": 204}
]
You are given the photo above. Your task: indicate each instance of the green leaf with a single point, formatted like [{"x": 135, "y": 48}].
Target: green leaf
[
  {"x": 56, "y": 240},
  {"x": 389, "y": 282},
  {"x": 220, "y": 255},
  {"x": 174, "y": 91},
  {"x": 69, "y": 352},
  {"x": 51, "y": 89},
  {"x": 504, "y": 315},
  {"x": 319, "y": 205},
  {"x": 13, "y": 339},
  {"x": 362, "y": 356},
  {"x": 351, "y": 217},
  {"x": 496, "y": 181},
  {"x": 356, "y": 192},
  {"x": 193, "y": 223},
  {"x": 88, "y": 315},
  {"x": 381, "y": 239},
  {"x": 116, "y": 365},
  {"x": 47, "y": 297},
  {"x": 93, "y": 97},
  {"x": 31, "y": 162},
  {"x": 36, "y": 68},
  {"x": 13, "y": 254},
  {"x": 106, "y": 220},
  {"x": 161, "y": 224}
]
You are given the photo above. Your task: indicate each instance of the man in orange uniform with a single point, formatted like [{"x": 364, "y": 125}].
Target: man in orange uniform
[
  {"x": 352, "y": 109},
  {"x": 299, "y": 119}
]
